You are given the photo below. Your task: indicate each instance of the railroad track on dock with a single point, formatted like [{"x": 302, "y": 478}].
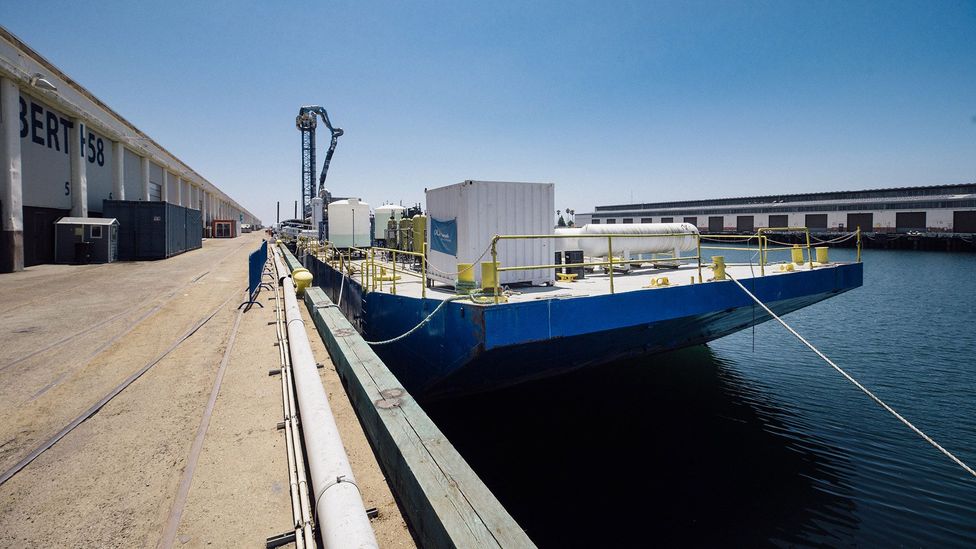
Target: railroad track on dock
[{"x": 147, "y": 313}]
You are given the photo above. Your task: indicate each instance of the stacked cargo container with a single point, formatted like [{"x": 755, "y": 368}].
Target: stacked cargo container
[{"x": 154, "y": 230}]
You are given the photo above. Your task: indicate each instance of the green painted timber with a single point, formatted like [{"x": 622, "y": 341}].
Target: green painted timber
[
  {"x": 447, "y": 505},
  {"x": 290, "y": 259}
]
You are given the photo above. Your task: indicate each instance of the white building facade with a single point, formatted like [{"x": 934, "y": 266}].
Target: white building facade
[
  {"x": 930, "y": 209},
  {"x": 63, "y": 151}
]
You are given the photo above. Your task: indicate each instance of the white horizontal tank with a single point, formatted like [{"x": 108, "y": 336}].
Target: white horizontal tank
[
  {"x": 647, "y": 238},
  {"x": 349, "y": 223},
  {"x": 383, "y": 215},
  {"x": 463, "y": 218}
]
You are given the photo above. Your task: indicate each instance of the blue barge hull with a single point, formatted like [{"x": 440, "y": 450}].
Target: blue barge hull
[{"x": 469, "y": 348}]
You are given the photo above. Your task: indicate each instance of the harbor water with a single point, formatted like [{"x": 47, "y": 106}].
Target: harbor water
[{"x": 753, "y": 440}]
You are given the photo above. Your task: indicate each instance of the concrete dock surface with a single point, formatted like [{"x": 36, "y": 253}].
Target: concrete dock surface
[{"x": 70, "y": 334}]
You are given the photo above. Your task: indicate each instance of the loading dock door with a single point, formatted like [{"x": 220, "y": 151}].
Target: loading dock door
[
  {"x": 816, "y": 221},
  {"x": 909, "y": 221},
  {"x": 39, "y": 234},
  {"x": 964, "y": 222},
  {"x": 745, "y": 223},
  {"x": 779, "y": 221},
  {"x": 863, "y": 220},
  {"x": 692, "y": 220},
  {"x": 716, "y": 224}
]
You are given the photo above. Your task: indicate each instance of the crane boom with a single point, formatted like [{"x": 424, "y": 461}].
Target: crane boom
[{"x": 306, "y": 122}]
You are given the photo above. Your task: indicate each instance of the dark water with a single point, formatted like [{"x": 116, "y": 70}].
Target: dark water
[{"x": 729, "y": 445}]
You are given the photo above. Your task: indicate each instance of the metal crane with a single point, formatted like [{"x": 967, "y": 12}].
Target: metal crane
[{"x": 306, "y": 122}]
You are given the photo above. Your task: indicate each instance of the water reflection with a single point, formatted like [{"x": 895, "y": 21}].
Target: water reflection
[{"x": 674, "y": 449}]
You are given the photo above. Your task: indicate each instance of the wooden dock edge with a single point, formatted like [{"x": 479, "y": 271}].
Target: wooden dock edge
[{"x": 445, "y": 502}]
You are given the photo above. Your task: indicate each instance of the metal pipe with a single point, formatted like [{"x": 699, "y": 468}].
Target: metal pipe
[
  {"x": 292, "y": 444},
  {"x": 338, "y": 504},
  {"x": 300, "y": 505}
]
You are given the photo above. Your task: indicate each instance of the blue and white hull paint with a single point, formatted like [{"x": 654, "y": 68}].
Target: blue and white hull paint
[{"x": 468, "y": 348}]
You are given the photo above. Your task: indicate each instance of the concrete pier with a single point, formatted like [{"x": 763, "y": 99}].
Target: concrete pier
[{"x": 70, "y": 334}]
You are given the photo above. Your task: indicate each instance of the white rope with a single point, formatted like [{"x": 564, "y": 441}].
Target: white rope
[
  {"x": 422, "y": 322},
  {"x": 855, "y": 382},
  {"x": 342, "y": 285}
]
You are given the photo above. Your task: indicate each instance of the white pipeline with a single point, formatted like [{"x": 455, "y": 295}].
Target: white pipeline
[{"x": 339, "y": 508}]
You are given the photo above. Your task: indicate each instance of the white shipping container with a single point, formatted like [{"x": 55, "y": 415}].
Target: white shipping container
[
  {"x": 349, "y": 223},
  {"x": 477, "y": 211}
]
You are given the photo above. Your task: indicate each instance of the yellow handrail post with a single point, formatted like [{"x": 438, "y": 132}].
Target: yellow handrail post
[
  {"x": 393, "y": 291},
  {"x": 494, "y": 265},
  {"x": 699, "y": 260},
  {"x": 763, "y": 251},
  {"x": 423, "y": 276},
  {"x": 610, "y": 257},
  {"x": 809, "y": 255},
  {"x": 858, "y": 243}
]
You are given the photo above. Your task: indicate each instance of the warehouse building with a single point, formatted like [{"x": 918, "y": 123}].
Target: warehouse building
[
  {"x": 44, "y": 176},
  {"x": 932, "y": 209}
]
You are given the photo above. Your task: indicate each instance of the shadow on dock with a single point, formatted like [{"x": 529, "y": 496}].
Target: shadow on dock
[{"x": 670, "y": 449}]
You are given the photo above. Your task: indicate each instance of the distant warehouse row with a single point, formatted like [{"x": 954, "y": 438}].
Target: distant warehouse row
[
  {"x": 931, "y": 209},
  {"x": 64, "y": 153}
]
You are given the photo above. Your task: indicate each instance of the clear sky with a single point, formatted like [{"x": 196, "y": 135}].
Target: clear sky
[{"x": 612, "y": 101}]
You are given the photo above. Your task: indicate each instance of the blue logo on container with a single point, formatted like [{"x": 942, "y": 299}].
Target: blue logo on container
[{"x": 443, "y": 236}]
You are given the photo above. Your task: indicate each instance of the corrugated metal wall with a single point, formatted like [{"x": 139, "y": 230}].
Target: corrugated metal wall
[{"x": 486, "y": 208}]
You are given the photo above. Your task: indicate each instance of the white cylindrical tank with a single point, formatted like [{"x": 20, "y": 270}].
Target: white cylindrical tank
[
  {"x": 316, "y": 213},
  {"x": 383, "y": 215},
  {"x": 349, "y": 223},
  {"x": 681, "y": 237},
  {"x": 564, "y": 244}
]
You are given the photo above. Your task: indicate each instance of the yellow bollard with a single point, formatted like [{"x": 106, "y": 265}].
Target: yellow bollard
[
  {"x": 797, "y": 254},
  {"x": 302, "y": 279},
  {"x": 465, "y": 278},
  {"x": 822, "y": 255},
  {"x": 488, "y": 281},
  {"x": 719, "y": 266}
]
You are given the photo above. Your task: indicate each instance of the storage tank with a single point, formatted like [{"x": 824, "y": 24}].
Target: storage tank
[
  {"x": 419, "y": 232},
  {"x": 463, "y": 218},
  {"x": 349, "y": 223},
  {"x": 682, "y": 238},
  {"x": 383, "y": 214}
]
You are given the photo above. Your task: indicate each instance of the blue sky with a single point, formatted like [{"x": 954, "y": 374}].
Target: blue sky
[{"x": 612, "y": 101}]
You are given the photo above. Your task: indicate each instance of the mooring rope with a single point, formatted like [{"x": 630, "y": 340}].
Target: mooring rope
[
  {"x": 856, "y": 383},
  {"x": 422, "y": 322}
]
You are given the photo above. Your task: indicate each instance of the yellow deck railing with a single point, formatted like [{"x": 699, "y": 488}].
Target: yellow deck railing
[{"x": 372, "y": 263}]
